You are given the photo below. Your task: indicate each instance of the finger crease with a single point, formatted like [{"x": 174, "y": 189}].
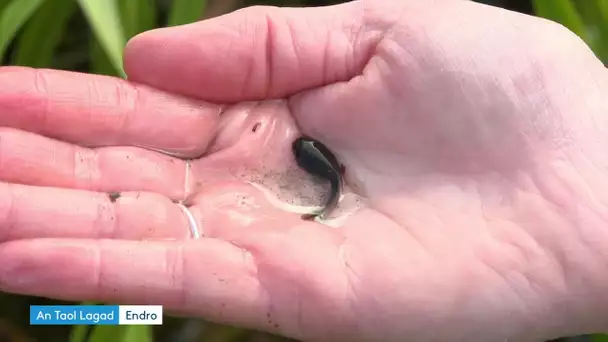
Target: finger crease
[
  {"x": 108, "y": 219},
  {"x": 270, "y": 47},
  {"x": 85, "y": 168},
  {"x": 9, "y": 217},
  {"x": 188, "y": 171},
  {"x": 178, "y": 281},
  {"x": 125, "y": 120},
  {"x": 41, "y": 87}
]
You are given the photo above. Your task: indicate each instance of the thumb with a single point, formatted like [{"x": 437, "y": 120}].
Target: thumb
[{"x": 254, "y": 53}]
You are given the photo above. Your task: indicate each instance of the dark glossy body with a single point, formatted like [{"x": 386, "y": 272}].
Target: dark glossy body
[{"x": 316, "y": 159}]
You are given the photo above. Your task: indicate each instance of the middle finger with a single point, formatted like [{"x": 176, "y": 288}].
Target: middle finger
[{"x": 30, "y": 159}]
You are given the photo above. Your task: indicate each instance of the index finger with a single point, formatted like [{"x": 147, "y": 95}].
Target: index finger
[
  {"x": 255, "y": 53},
  {"x": 94, "y": 111}
]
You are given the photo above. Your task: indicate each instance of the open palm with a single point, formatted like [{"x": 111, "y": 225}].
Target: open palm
[{"x": 467, "y": 195}]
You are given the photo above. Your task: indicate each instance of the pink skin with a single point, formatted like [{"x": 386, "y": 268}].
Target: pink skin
[{"x": 478, "y": 137}]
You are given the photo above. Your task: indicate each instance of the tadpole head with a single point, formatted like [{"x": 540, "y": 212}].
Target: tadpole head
[
  {"x": 315, "y": 158},
  {"x": 301, "y": 146}
]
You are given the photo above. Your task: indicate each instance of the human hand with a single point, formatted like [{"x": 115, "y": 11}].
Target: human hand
[{"x": 473, "y": 136}]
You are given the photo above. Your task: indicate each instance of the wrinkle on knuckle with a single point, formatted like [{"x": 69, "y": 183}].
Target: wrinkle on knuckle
[
  {"x": 273, "y": 24},
  {"x": 176, "y": 263},
  {"x": 258, "y": 19},
  {"x": 292, "y": 38},
  {"x": 106, "y": 223},
  {"x": 369, "y": 31},
  {"x": 130, "y": 98},
  {"x": 89, "y": 101},
  {"x": 328, "y": 73},
  {"x": 41, "y": 87},
  {"x": 363, "y": 46},
  {"x": 9, "y": 218},
  {"x": 86, "y": 168},
  {"x": 251, "y": 73},
  {"x": 269, "y": 58}
]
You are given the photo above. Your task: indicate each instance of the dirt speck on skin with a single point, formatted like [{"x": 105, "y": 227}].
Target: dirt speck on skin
[
  {"x": 298, "y": 190},
  {"x": 291, "y": 189},
  {"x": 113, "y": 196},
  {"x": 295, "y": 186}
]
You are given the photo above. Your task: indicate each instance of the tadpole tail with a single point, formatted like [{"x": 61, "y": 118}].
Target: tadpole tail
[
  {"x": 330, "y": 205},
  {"x": 334, "y": 198}
]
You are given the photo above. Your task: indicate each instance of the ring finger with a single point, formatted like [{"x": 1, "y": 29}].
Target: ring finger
[{"x": 34, "y": 212}]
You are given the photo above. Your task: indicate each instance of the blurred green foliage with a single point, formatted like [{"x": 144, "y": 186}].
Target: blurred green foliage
[
  {"x": 599, "y": 338},
  {"x": 89, "y": 36},
  {"x": 587, "y": 18}
]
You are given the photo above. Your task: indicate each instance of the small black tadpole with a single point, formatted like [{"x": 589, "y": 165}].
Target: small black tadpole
[{"x": 316, "y": 159}]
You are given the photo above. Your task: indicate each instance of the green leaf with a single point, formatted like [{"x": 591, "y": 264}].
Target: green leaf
[
  {"x": 42, "y": 34},
  {"x": 137, "y": 16},
  {"x": 603, "y": 8},
  {"x": 595, "y": 17},
  {"x": 13, "y": 17},
  {"x": 599, "y": 338},
  {"x": 186, "y": 11},
  {"x": 121, "y": 333},
  {"x": 3, "y": 4},
  {"x": 563, "y": 12},
  {"x": 226, "y": 333},
  {"x": 138, "y": 333},
  {"x": 104, "y": 19},
  {"x": 105, "y": 333},
  {"x": 590, "y": 12},
  {"x": 78, "y": 333},
  {"x": 99, "y": 62}
]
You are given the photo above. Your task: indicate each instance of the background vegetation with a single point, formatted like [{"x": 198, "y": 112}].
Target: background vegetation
[{"x": 89, "y": 35}]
